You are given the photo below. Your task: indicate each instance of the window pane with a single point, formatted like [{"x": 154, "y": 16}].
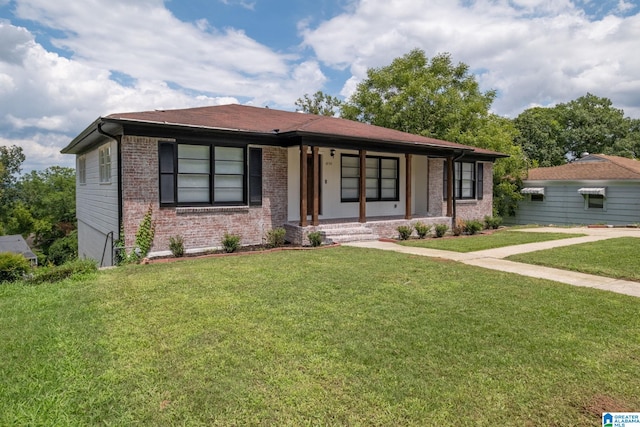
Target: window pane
[
  {"x": 193, "y": 166},
  {"x": 186, "y": 151},
  {"x": 350, "y": 172},
  {"x": 595, "y": 201},
  {"x": 228, "y": 181},
  {"x": 227, "y": 194},
  {"x": 350, "y": 161},
  {"x": 193, "y": 195},
  {"x": 229, "y": 167},
  {"x": 389, "y": 193},
  {"x": 193, "y": 180},
  {"x": 349, "y": 193},
  {"x": 350, "y": 183},
  {"x": 229, "y": 153}
]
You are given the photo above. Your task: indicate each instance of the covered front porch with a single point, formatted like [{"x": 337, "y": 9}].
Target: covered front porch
[
  {"x": 348, "y": 194},
  {"x": 340, "y": 230}
]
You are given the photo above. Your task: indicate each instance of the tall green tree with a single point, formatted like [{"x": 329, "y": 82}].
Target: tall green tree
[
  {"x": 540, "y": 134},
  {"x": 11, "y": 159},
  {"x": 591, "y": 124},
  {"x": 431, "y": 97},
  {"x": 319, "y": 103},
  {"x": 629, "y": 146},
  {"x": 44, "y": 206},
  {"x": 440, "y": 99}
]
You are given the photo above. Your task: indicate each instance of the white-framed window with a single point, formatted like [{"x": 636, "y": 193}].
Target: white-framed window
[
  {"x": 104, "y": 163},
  {"x": 82, "y": 169}
]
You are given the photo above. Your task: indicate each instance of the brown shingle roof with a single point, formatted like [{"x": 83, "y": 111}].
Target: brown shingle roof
[
  {"x": 592, "y": 167},
  {"x": 265, "y": 120}
]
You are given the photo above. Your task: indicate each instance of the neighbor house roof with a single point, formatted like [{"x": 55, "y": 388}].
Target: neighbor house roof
[
  {"x": 266, "y": 121},
  {"x": 16, "y": 244},
  {"x": 590, "y": 167}
]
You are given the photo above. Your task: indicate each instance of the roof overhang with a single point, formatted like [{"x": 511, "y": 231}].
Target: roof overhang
[
  {"x": 597, "y": 191},
  {"x": 102, "y": 128}
]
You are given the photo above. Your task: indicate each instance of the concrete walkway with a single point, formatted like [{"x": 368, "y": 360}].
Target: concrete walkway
[{"x": 493, "y": 258}]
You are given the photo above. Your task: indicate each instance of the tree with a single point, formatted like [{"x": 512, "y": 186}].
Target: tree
[
  {"x": 591, "y": 124},
  {"x": 433, "y": 98},
  {"x": 629, "y": 146},
  {"x": 540, "y": 134},
  {"x": 11, "y": 159},
  {"x": 45, "y": 206},
  {"x": 439, "y": 99},
  {"x": 320, "y": 103}
]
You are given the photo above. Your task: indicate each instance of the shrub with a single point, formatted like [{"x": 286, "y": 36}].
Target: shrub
[
  {"x": 230, "y": 242},
  {"x": 12, "y": 266},
  {"x": 472, "y": 226},
  {"x": 64, "y": 249},
  {"x": 57, "y": 273},
  {"x": 404, "y": 231},
  {"x": 275, "y": 237},
  {"x": 458, "y": 227},
  {"x": 441, "y": 229},
  {"x": 422, "y": 229},
  {"x": 492, "y": 222},
  {"x": 315, "y": 238},
  {"x": 176, "y": 246}
]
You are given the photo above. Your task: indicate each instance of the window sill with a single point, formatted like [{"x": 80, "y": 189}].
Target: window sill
[{"x": 211, "y": 209}]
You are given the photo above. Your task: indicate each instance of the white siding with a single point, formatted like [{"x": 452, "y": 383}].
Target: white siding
[
  {"x": 332, "y": 207},
  {"x": 97, "y": 208}
]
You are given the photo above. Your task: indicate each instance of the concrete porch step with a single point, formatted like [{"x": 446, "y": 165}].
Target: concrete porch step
[{"x": 342, "y": 234}]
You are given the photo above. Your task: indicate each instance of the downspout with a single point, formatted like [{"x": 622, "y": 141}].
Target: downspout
[
  {"x": 455, "y": 159},
  {"x": 119, "y": 157}
]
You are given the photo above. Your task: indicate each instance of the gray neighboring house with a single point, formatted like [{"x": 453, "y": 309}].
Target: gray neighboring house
[
  {"x": 16, "y": 244},
  {"x": 595, "y": 189}
]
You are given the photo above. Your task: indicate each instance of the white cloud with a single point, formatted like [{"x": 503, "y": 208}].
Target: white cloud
[
  {"x": 532, "y": 51},
  {"x": 41, "y": 150}
]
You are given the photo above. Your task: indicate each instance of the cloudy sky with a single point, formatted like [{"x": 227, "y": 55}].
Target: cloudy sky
[{"x": 65, "y": 63}]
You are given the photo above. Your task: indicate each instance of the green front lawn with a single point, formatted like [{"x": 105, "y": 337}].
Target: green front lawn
[
  {"x": 340, "y": 336},
  {"x": 616, "y": 258},
  {"x": 479, "y": 242}
]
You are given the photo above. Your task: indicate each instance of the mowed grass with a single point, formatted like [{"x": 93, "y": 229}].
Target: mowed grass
[
  {"x": 479, "y": 242},
  {"x": 618, "y": 258},
  {"x": 340, "y": 336}
]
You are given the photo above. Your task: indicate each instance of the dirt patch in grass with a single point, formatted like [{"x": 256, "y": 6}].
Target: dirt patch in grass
[{"x": 601, "y": 403}]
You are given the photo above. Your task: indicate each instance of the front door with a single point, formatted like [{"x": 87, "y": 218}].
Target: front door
[{"x": 310, "y": 184}]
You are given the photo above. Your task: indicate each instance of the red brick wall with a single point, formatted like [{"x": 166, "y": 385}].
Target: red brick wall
[{"x": 200, "y": 227}]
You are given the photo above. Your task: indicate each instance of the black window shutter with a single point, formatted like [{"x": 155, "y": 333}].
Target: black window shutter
[
  {"x": 480, "y": 181},
  {"x": 167, "y": 166},
  {"x": 255, "y": 176},
  {"x": 445, "y": 175}
]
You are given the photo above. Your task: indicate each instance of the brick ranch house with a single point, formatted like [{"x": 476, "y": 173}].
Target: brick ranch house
[{"x": 246, "y": 170}]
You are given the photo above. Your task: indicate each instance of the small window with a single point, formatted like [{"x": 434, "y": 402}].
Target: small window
[
  {"x": 255, "y": 176},
  {"x": 82, "y": 169},
  {"x": 467, "y": 184},
  {"x": 104, "y": 163},
  {"x": 594, "y": 201},
  {"x": 537, "y": 197}
]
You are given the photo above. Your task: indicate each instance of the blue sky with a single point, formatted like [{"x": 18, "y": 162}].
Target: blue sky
[{"x": 63, "y": 64}]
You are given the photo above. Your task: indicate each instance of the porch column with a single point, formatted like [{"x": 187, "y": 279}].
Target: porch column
[
  {"x": 450, "y": 178},
  {"x": 407, "y": 169},
  {"x": 316, "y": 186},
  {"x": 363, "y": 187},
  {"x": 303, "y": 185}
]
